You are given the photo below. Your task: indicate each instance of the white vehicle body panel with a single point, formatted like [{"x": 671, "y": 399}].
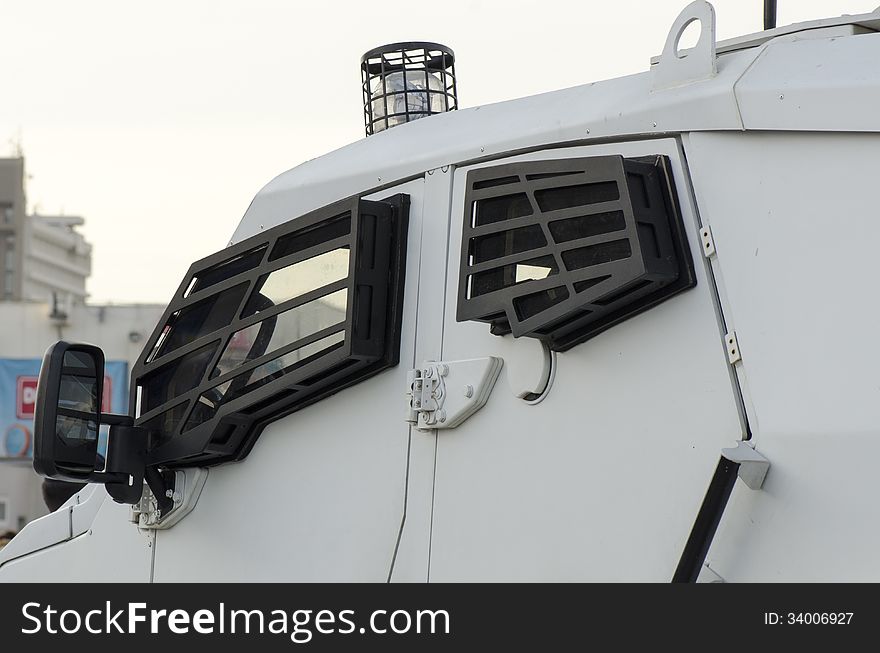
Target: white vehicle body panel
[
  {"x": 613, "y": 463},
  {"x": 790, "y": 214},
  {"x": 614, "y": 109},
  {"x": 99, "y": 544},
  {"x": 412, "y": 560},
  {"x": 322, "y": 496}
]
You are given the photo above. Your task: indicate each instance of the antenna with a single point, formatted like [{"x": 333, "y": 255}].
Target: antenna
[{"x": 769, "y": 14}]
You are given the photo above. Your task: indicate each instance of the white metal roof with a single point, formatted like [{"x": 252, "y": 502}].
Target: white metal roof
[{"x": 817, "y": 76}]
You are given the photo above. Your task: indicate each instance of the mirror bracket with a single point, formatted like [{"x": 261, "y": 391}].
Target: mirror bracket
[
  {"x": 127, "y": 446},
  {"x": 162, "y": 486},
  {"x": 127, "y": 455}
]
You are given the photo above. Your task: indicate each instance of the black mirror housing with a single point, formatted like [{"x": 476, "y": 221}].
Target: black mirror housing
[
  {"x": 68, "y": 419},
  {"x": 67, "y": 414}
]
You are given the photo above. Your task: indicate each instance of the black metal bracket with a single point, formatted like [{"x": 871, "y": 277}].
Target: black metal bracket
[
  {"x": 126, "y": 449},
  {"x": 126, "y": 453},
  {"x": 769, "y": 14},
  {"x": 161, "y": 484},
  {"x": 703, "y": 532},
  {"x": 563, "y": 249}
]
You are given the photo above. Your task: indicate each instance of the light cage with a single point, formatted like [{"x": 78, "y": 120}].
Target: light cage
[{"x": 407, "y": 81}]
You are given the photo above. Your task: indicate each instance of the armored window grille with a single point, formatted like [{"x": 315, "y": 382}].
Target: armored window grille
[
  {"x": 271, "y": 325},
  {"x": 561, "y": 250}
]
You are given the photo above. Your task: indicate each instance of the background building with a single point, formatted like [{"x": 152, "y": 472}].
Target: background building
[
  {"x": 12, "y": 212},
  {"x": 45, "y": 263},
  {"x": 44, "y": 258}
]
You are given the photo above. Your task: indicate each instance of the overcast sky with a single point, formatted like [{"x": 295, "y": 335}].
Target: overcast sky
[{"x": 159, "y": 121}]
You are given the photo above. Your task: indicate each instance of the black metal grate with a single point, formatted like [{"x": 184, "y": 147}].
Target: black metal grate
[
  {"x": 563, "y": 249},
  {"x": 407, "y": 81},
  {"x": 271, "y": 325}
]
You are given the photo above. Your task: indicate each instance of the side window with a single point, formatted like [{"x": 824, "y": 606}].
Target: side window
[
  {"x": 278, "y": 321},
  {"x": 563, "y": 249}
]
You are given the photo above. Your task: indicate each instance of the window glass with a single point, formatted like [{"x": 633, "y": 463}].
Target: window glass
[
  {"x": 175, "y": 378},
  {"x": 239, "y": 264},
  {"x": 566, "y": 197},
  {"x": 585, "y": 226},
  {"x": 510, "y": 275},
  {"x": 584, "y": 257},
  {"x": 166, "y": 422},
  {"x": 297, "y": 279},
  {"x": 532, "y": 304},
  {"x": 303, "y": 239},
  {"x": 210, "y": 401},
  {"x": 199, "y": 319},
  {"x": 498, "y": 209},
  {"x": 505, "y": 243},
  {"x": 283, "y": 329}
]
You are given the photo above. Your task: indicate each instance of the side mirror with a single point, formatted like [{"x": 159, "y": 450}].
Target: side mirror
[
  {"x": 68, "y": 419},
  {"x": 67, "y": 414}
]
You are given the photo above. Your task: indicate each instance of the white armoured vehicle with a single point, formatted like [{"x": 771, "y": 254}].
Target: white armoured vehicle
[{"x": 616, "y": 332}]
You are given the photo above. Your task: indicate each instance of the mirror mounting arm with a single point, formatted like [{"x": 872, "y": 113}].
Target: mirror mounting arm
[
  {"x": 129, "y": 446},
  {"x": 125, "y": 455},
  {"x": 112, "y": 419}
]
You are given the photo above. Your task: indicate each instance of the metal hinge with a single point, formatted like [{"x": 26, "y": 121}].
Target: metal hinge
[
  {"x": 442, "y": 395},
  {"x": 753, "y": 467},
  {"x": 188, "y": 484},
  {"x": 708, "y": 242},
  {"x": 426, "y": 394},
  {"x": 733, "y": 353}
]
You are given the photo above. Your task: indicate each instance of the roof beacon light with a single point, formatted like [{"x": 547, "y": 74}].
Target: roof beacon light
[{"x": 407, "y": 81}]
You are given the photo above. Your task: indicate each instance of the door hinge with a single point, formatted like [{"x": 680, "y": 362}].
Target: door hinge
[
  {"x": 708, "y": 242},
  {"x": 733, "y": 353},
  {"x": 442, "y": 395}
]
